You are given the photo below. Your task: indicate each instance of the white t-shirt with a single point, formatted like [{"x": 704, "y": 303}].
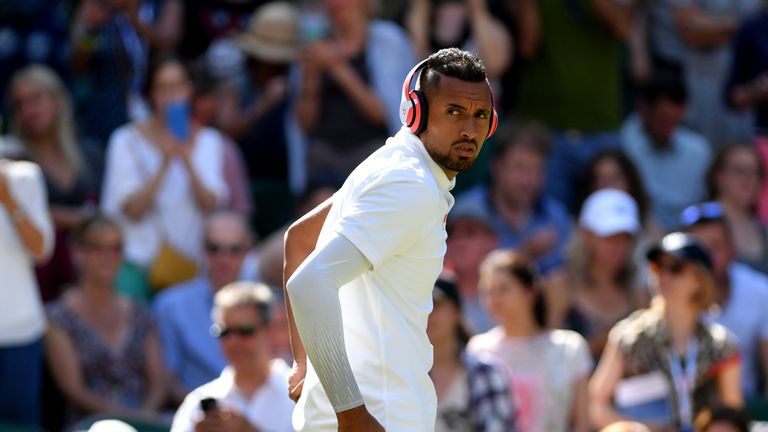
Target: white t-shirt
[
  {"x": 131, "y": 162},
  {"x": 393, "y": 208},
  {"x": 745, "y": 314},
  {"x": 22, "y": 319},
  {"x": 542, "y": 370},
  {"x": 269, "y": 408}
]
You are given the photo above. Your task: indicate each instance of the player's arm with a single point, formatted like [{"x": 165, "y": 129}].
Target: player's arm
[
  {"x": 300, "y": 240},
  {"x": 314, "y": 292}
]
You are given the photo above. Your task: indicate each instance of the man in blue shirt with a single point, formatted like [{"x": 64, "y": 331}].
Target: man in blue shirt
[
  {"x": 672, "y": 160},
  {"x": 183, "y": 312},
  {"x": 523, "y": 217}
]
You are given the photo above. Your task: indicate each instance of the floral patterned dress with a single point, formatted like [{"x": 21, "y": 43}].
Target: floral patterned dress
[{"x": 115, "y": 374}]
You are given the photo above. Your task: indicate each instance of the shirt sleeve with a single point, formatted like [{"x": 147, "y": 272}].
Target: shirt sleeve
[
  {"x": 208, "y": 160},
  {"x": 169, "y": 340},
  {"x": 188, "y": 414},
  {"x": 582, "y": 358},
  {"x": 388, "y": 218},
  {"x": 30, "y": 194},
  {"x": 314, "y": 293},
  {"x": 122, "y": 175}
]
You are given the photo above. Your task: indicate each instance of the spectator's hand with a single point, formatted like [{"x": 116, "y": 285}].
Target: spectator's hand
[
  {"x": 223, "y": 420},
  {"x": 476, "y": 6},
  {"x": 540, "y": 243},
  {"x": 358, "y": 420},
  {"x": 296, "y": 380},
  {"x": 274, "y": 92},
  {"x": 92, "y": 14},
  {"x": 323, "y": 55}
]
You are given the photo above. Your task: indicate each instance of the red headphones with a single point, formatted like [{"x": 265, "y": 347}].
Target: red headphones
[{"x": 413, "y": 103}]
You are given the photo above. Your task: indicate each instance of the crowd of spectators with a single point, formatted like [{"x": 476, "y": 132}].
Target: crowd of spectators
[{"x": 607, "y": 255}]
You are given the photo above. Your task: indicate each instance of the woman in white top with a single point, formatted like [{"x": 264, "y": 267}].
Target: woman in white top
[
  {"x": 548, "y": 369},
  {"x": 26, "y": 234},
  {"x": 163, "y": 175}
]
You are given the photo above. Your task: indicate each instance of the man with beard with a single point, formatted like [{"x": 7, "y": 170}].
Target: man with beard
[
  {"x": 360, "y": 267},
  {"x": 523, "y": 216}
]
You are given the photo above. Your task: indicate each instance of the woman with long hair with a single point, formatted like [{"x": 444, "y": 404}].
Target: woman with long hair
[
  {"x": 602, "y": 280},
  {"x": 734, "y": 181},
  {"x": 162, "y": 177},
  {"x": 472, "y": 390},
  {"x": 548, "y": 369},
  {"x": 43, "y": 130},
  {"x": 665, "y": 364}
]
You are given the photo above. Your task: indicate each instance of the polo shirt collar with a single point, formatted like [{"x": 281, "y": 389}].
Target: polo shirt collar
[{"x": 413, "y": 142}]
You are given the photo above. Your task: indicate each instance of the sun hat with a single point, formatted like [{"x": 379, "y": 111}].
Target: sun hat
[{"x": 273, "y": 33}]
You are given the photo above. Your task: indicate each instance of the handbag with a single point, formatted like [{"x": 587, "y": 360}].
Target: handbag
[{"x": 170, "y": 266}]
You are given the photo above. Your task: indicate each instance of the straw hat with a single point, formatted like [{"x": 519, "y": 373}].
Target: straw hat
[{"x": 273, "y": 33}]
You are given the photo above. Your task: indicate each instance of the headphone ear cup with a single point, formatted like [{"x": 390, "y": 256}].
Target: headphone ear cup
[
  {"x": 494, "y": 123},
  {"x": 421, "y": 112}
]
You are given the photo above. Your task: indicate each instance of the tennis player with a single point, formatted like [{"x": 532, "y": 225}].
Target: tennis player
[{"x": 360, "y": 267}]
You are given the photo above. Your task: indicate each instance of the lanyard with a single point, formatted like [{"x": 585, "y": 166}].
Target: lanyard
[{"x": 684, "y": 381}]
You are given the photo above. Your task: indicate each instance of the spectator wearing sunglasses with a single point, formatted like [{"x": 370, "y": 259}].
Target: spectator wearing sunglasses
[
  {"x": 742, "y": 292},
  {"x": 665, "y": 364},
  {"x": 184, "y": 311},
  {"x": 250, "y": 394}
]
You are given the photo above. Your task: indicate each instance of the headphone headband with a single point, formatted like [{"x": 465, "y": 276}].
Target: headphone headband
[{"x": 413, "y": 103}]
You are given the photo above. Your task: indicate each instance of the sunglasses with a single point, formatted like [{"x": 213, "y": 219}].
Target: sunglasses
[
  {"x": 704, "y": 212},
  {"x": 673, "y": 267},
  {"x": 221, "y": 332},
  {"x": 114, "y": 249},
  {"x": 217, "y": 249}
]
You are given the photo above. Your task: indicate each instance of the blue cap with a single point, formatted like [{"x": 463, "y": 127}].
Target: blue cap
[{"x": 681, "y": 246}]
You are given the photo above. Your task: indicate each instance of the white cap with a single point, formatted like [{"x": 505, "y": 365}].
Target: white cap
[
  {"x": 610, "y": 211},
  {"x": 111, "y": 426}
]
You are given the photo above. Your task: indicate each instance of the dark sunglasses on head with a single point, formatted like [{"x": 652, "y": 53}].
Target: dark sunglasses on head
[
  {"x": 708, "y": 211},
  {"x": 221, "y": 332},
  {"x": 216, "y": 248}
]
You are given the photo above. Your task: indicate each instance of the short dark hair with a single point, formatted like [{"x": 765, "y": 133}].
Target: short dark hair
[
  {"x": 663, "y": 85},
  {"x": 527, "y": 134},
  {"x": 454, "y": 63},
  {"x": 80, "y": 234}
]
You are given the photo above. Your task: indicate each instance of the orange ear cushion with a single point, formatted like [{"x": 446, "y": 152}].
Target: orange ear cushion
[{"x": 494, "y": 123}]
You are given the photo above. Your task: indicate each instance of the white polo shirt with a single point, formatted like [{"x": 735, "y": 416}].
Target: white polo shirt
[
  {"x": 268, "y": 409},
  {"x": 393, "y": 208}
]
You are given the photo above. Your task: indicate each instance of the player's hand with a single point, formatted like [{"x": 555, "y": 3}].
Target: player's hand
[
  {"x": 296, "y": 380},
  {"x": 358, "y": 419}
]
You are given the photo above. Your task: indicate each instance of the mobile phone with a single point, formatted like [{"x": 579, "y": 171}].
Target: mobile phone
[
  {"x": 177, "y": 119},
  {"x": 208, "y": 404}
]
